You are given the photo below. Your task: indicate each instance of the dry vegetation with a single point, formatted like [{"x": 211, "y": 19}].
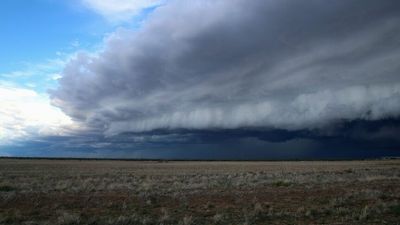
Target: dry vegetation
[{"x": 129, "y": 192}]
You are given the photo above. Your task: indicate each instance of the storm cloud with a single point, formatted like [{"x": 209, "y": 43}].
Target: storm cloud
[{"x": 235, "y": 64}]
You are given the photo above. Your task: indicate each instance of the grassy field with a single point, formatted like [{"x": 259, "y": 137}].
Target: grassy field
[{"x": 64, "y": 192}]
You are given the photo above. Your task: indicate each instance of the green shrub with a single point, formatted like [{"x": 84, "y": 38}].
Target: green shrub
[
  {"x": 395, "y": 209},
  {"x": 6, "y": 188},
  {"x": 281, "y": 183}
]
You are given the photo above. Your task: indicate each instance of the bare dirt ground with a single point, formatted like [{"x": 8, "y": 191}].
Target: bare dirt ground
[{"x": 143, "y": 192}]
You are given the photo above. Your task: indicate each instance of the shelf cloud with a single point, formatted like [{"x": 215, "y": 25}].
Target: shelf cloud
[{"x": 233, "y": 64}]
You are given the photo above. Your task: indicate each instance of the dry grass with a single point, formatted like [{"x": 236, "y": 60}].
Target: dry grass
[{"x": 124, "y": 192}]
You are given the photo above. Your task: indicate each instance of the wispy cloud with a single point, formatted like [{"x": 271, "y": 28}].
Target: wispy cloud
[
  {"x": 120, "y": 10},
  {"x": 39, "y": 76}
]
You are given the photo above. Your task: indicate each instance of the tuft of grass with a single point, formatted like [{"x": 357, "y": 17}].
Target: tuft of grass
[
  {"x": 187, "y": 220},
  {"x": 364, "y": 213},
  {"x": 68, "y": 219},
  {"x": 164, "y": 216},
  {"x": 218, "y": 218}
]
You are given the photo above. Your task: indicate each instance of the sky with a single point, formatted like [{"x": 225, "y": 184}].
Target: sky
[{"x": 200, "y": 79}]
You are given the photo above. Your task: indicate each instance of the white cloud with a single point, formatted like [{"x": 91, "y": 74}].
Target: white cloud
[
  {"x": 118, "y": 10},
  {"x": 26, "y": 113}
]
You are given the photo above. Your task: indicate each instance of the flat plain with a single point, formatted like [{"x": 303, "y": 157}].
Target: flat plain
[{"x": 93, "y": 192}]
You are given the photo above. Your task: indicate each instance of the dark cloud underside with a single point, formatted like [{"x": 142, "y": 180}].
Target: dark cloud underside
[{"x": 349, "y": 140}]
